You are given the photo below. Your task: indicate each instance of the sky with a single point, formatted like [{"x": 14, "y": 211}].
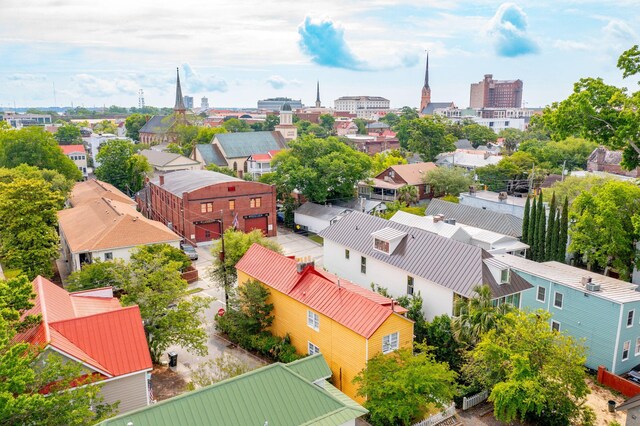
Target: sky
[{"x": 234, "y": 52}]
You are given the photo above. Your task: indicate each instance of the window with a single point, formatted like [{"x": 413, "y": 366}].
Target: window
[
  {"x": 206, "y": 207},
  {"x": 312, "y": 349},
  {"x": 108, "y": 256},
  {"x": 390, "y": 342},
  {"x": 410, "y": 285},
  {"x": 232, "y": 204},
  {"x": 504, "y": 276},
  {"x": 381, "y": 245},
  {"x": 557, "y": 300},
  {"x": 256, "y": 202},
  {"x": 555, "y": 326},
  {"x": 231, "y": 188},
  {"x": 363, "y": 264},
  {"x": 638, "y": 346},
  {"x": 542, "y": 294},
  {"x": 346, "y": 253},
  {"x": 313, "y": 320},
  {"x": 625, "y": 350},
  {"x": 630, "y": 318}
]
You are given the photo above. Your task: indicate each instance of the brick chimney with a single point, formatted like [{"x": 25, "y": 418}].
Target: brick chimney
[
  {"x": 303, "y": 262},
  {"x": 161, "y": 180}
]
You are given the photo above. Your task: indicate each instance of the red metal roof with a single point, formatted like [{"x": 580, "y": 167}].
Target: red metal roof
[
  {"x": 68, "y": 149},
  {"x": 357, "y": 308},
  {"x": 92, "y": 329}
]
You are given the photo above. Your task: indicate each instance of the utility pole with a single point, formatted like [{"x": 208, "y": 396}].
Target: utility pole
[
  {"x": 222, "y": 259},
  {"x": 564, "y": 163},
  {"x": 533, "y": 166}
]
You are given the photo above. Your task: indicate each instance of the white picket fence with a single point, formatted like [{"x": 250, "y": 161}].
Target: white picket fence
[
  {"x": 474, "y": 400},
  {"x": 450, "y": 411}
]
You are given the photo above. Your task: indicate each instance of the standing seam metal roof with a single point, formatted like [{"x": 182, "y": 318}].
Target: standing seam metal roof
[
  {"x": 182, "y": 181},
  {"x": 244, "y": 144}
]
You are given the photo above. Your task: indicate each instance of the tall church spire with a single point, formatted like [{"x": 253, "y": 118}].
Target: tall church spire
[
  {"x": 318, "y": 103},
  {"x": 179, "y": 108},
  {"x": 425, "y": 98}
]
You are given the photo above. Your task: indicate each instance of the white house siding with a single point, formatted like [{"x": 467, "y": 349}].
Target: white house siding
[
  {"x": 437, "y": 299},
  {"x": 123, "y": 253},
  {"x": 313, "y": 224},
  {"x": 131, "y": 391}
]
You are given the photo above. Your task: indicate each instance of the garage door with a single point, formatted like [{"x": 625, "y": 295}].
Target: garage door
[
  {"x": 256, "y": 223},
  {"x": 207, "y": 231}
]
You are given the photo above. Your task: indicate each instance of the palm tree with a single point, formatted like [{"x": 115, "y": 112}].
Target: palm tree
[
  {"x": 475, "y": 316},
  {"x": 408, "y": 194}
]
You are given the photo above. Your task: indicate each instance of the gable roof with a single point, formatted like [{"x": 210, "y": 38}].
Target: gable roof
[
  {"x": 413, "y": 173},
  {"x": 161, "y": 158},
  {"x": 69, "y": 149},
  {"x": 93, "y": 189},
  {"x": 432, "y": 106},
  {"x": 94, "y": 330},
  {"x": 501, "y": 223},
  {"x": 321, "y": 212},
  {"x": 312, "y": 368},
  {"x": 211, "y": 155},
  {"x": 361, "y": 311},
  {"x": 107, "y": 224},
  {"x": 452, "y": 264},
  {"x": 244, "y": 144},
  {"x": 182, "y": 181},
  {"x": 158, "y": 124},
  {"x": 275, "y": 394}
]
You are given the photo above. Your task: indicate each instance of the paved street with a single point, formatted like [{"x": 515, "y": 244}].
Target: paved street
[{"x": 297, "y": 245}]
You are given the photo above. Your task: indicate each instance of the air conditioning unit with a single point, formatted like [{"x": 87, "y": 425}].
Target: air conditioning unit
[{"x": 591, "y": 286}]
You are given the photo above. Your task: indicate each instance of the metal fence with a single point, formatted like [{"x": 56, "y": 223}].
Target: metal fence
[
  {"x": 474, "y": 400},
  {"x": 450, "y": 411}
]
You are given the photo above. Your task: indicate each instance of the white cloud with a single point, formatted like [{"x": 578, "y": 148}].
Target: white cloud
[
  {"x": 27, "y": 77},
  {"x": 509, "y": 30}
]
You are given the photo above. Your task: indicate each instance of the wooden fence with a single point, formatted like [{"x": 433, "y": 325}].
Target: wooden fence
[
  {"x": 450, "y": 411},
  {"x": 474, "y": 400}
]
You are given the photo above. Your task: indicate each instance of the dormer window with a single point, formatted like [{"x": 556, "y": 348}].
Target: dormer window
[
  {"x": 505, "y": 274},
  {"x": 387, "y": 240},
  {"x": 381, "y": 245}
]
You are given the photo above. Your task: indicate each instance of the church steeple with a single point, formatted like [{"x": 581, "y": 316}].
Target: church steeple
[
  {"x": 179, "y": 108},
  {"x": 318, "y": 95},
  {"x": 425, "y": 98}
]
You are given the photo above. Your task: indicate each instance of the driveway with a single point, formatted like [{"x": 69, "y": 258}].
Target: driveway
[{"x": 299, "y": 246}]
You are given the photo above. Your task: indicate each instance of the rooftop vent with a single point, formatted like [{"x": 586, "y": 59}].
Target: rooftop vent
[
  {"x": 502, "y": 197},
  {"x": 450, "y": 221},
  {"x": 589, "y": 285}
]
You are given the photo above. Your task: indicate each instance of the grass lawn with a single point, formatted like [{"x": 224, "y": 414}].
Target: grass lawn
[{"x": 318, "y": 239}]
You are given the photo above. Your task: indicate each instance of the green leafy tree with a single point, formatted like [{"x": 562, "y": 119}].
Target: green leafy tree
[
  {"x": 572, "y": 186},
  {"x": 253, "y": 313},
  {"x": 409, "y": 194},
  {"x": 478, "y": 134},
  {"x": 476, "y": 316},
  {"x": 234, "y": 125},
  {"x": 99, "y": 274},
  {"x": 25, "y": 372},
  {"x": 270, "y": 122},
  {"x": 362, "y": 125},
  {"x": 121, "y": 167},
  {"x": 326, "y": 122},
  {"x": 428, "y": 137},
  {"x": 400, "y": 387},
  {"x": 106, "y": 126},
  {"x": 413, "y": 304},
  {"x": 236, "y": 243},
  {"x": 448, "y": 180},
  {"x": 134, "y": 123},
  {"x": 570, "y": 153},
  {"x": 224, "y": 170},
  {"x": 603, "y": 234},
  {"x": 563, "y": 231},
  {"x": 391, "y": 119},
  {"x": 28, "y": 220},
  {"x": 534, "y": 374},
  {"x": 58, "y": 182},
  {"x": 525, "y": 221},
  {"x": 383, "y": 160},
  {"x": 552, "y": 232},
  {"x": 321, "y": 169},
  {"x": 441, "y": 338},
  {"x": 170, "y": 317},
  {"x": 541, "y": 232},
  {"x": 68, "y": 134},
  {"x": 512, "y": 138},
  {"x": 35, "y": 147}
]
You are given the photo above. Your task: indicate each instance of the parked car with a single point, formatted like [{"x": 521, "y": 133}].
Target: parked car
[{"x": 190, "y": 251}]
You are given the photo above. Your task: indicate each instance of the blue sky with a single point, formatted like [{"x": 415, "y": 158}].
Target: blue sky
[{"x": 236, "y": 52}]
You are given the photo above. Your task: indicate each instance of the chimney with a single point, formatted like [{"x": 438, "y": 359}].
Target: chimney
[
  {"x": 161, "y": 181},
  {"x": 502, "y": 197},
  {"x": 586, "y": 280},
  {"x": 303, "y": 262},
  {"x": 472, "y": 190}
]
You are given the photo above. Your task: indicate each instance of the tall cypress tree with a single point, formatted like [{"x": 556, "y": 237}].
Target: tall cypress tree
[
  {"x": 555, "y": 236},
  {"x": 562, "y": 233},
  {"x": 549, "y": 250},
  {"x": 533, "y": 222},
  {"x": 525, "y": 222},
  {"x": 541, "y": 230}
]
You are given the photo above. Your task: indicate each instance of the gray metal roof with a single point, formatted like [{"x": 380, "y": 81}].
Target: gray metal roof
[
  {"x": 244, "y": 144},
  {"x": 211, "y": 155},
  {"x": 449, "y": 263},
  {"x": 161, "y": 158},
  {"x": 321, "y": 212},
  {"x": 183, "y": 181},
  {"x": 501, "y": 223},
  {"x": 158, "y": 124},
  {"x": 432, "y": 106}
]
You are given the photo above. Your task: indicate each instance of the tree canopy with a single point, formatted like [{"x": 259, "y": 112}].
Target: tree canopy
[
  {"x": 121, "y": 166},
  {"x": 134, "y": 123},
  {"x": 570, "y": 153},
  {"x": 68, "y": 134},
  {"x": 321, "y": 169},
  {"x": 234, "y": 125},
  {"x": 383, "y": 160},
  {"x": 35, "y": 147},
  {"x": 428, "y": 136},
  {"x": 448, "y": 180}
]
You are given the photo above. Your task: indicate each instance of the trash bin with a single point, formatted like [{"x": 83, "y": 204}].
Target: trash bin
[
  {"x": 612, "y": 406},
  {"x": 173, "y": 359}
]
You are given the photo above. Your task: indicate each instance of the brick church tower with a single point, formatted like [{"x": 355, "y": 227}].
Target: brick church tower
[{"x": 425, "y": 99}]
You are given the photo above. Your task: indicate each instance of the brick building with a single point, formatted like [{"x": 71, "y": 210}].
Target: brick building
[
  {"x": 196, "y": 204},
  {"x": 605, "y": 160},
  {"x": 490, "y": 93}
]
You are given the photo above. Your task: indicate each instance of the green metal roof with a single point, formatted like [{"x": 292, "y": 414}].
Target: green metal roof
[
  {"x": 244, "y": 144},
  {"x": 211, "y": 155},
  {"x": 312, "y": 367},
  {"x": 275, "y": 394}
]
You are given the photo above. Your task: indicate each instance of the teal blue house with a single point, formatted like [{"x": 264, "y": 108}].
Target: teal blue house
[{"x": 602, "y": 311}]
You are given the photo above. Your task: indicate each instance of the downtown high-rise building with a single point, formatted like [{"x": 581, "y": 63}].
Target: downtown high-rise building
[{"x": 490, "y": 93}]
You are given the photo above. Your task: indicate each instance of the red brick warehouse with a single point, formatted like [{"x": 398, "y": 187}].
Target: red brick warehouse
[{"x": 195, "y": 202}]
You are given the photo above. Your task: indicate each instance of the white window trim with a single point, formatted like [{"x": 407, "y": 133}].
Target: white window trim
[
  {"x": 538, "y": 292},
  {"x": 633, "y": 317},
  {"x": 559, "y": 325},
  {"x": 554, "y": 300},
  {"x": 637, "y": 346},
  {"x": 628, "y": 342},
  {"x": 312, "y": 348},
  {"x": 312, "y": 319},
  {"x": 397, "y": 345}
]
